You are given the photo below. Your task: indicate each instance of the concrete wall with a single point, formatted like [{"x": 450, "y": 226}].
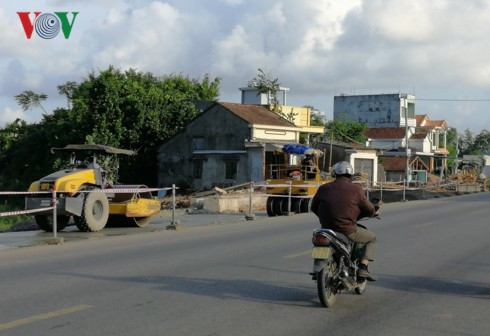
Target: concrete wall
[
  {"x": 233, "y": 203},
  {"x": 221, "y": 131},
  {"x": 384, "y": 110},
  {"x": 386, "y": 144},
  {"x": 421, "y": 145},
  {"x": 275, "y": 133},
  {"x": 251, "y": 95}
]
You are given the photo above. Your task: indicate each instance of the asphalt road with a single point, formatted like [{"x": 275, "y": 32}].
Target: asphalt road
[{"x": 251, "y": 278}]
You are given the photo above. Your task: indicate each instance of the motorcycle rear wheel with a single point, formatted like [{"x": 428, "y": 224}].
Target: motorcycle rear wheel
[{"x": 326, "y": 292}]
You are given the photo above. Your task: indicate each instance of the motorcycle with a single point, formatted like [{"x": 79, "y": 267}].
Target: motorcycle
[{"x": 335, "y": 264}]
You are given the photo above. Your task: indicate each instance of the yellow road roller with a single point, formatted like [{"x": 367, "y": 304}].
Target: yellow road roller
[{"x": 87, "y": 190}]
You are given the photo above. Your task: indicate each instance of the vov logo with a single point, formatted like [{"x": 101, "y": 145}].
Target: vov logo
[{"x": 47, "y": 25}]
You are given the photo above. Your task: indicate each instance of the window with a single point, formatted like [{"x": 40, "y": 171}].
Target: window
[
  {"x": 197, "y": 169},
  {"x": 197, "y": 143},
  {"x": 411, "y": 110},
  {"x": 231, "y": 170}
]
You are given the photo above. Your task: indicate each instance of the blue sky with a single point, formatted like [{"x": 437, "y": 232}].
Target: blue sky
[{"x": 433, "y": 49}]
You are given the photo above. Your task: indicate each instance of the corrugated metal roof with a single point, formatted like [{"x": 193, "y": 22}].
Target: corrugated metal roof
[{"x": 257, "y": 114}]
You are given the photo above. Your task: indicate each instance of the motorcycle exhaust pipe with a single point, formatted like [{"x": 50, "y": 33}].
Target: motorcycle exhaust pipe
[{"x": 346, "y": 280}]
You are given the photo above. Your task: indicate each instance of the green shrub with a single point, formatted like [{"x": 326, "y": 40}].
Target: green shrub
[{"x": 7, "y": 222}]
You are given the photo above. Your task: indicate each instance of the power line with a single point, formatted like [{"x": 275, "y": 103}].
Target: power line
[{"x": 457, "y": 100}]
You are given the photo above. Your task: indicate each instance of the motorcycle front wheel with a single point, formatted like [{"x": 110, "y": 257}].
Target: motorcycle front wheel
[{"x": 326, "y": 292}]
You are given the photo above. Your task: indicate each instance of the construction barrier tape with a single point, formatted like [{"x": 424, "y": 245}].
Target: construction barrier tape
[
  {"x": 129, "y": 190},
  {"x": 23, "y": 212},
  {"x": 292, "y": 196},
  {"x": 24, "y": 192},
  {"x": 288, "y": 185}
]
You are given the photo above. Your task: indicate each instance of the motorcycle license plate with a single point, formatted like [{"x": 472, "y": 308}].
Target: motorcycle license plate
[{"x": 321, "y": 252}]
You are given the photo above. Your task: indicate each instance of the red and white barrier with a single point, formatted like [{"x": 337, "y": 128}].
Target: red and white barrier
[
  {"x": 23, "y": 212},
  {"x": 50, "y": 192}
]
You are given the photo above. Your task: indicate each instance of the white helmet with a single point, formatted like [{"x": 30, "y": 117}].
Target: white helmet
[{"x": 342, "y": 168}]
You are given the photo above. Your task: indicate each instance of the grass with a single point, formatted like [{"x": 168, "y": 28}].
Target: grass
[{"x": 7, "y": 222}]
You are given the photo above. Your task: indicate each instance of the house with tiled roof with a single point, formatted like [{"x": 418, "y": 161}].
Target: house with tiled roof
[
  {"x": 438, "y": 133},
  {"x": 224, "y": 145},
  {"x": 397, "y": 132}
]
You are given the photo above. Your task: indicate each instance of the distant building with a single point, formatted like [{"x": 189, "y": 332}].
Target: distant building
[
  {"x": 226, "y": 144},
  {"x": 377, "y": 111},
  {"x": 300, "y": 116},
  {"x": 251, "y": 95},
  {"x": 397, "y": 132},
  {"x": 362, "y": 159}
]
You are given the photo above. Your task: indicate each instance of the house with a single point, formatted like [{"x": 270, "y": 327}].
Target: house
[
  {"x": 397, "y": 132},
  {"x": 363, "y": 159},
  {"x": 299, "y": 116},
  {"x": 224, "y": 145}
]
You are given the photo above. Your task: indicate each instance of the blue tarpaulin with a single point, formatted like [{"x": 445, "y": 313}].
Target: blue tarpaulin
[{"x": 295, "y": 149}]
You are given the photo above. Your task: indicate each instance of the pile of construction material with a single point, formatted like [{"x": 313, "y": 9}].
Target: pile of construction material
[{"x": 234, "y": 199}]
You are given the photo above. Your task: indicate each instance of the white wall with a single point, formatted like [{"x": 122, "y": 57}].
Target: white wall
[
  {"x": 275, "y": 133},
  {"x": 366, "y": 155},
  {"x": 421, "y": 145}
]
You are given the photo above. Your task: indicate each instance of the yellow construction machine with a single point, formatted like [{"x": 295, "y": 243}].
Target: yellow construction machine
[
  {"x": 88, "y": 191},
  {"x": 299, "y": 177}
]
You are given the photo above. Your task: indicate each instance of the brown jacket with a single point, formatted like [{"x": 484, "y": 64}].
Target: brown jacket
[{"x": 340, "y": 204}]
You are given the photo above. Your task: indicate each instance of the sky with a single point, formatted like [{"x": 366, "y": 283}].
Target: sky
[{"x": 437, "y": 50}]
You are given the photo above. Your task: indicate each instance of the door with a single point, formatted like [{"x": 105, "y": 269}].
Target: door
[{"x": 364, "y": 166}]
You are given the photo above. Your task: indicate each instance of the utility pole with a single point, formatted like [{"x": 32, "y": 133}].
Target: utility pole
[
  {"x": 405, "y": 109},
  {"x": 455, "y": 163}
]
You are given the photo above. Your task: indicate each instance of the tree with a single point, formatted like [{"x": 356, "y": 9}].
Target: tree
[
  {"x": 317, "y": 118},
  {"x": 474, "y": 145},
  {"x": 129, "y": 109},
  {"x": 466, "y": 141},
  {"x": 346, "y": 131},
  {"x": 266, "y": 85},
  {"x": 482, "y": 142},
  {"x": 29, "y": 99},
  {"x": 67, "y": 90}
]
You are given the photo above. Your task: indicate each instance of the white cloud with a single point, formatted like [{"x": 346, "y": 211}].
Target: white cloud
[
  {"x": 317, "y": 48},
  {"x": 153, "y": 38},
  {"x": 9, "y": 115}
]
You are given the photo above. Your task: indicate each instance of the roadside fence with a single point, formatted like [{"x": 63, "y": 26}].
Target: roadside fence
[
  {"x": 383, "y": 188},
  {"x": 52, "y": 201}
]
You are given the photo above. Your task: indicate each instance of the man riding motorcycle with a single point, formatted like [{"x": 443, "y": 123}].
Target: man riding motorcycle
[{"x": 339, "y": 205}]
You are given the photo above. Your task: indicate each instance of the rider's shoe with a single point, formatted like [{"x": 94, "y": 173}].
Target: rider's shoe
[{"x": 363, "y": 272}]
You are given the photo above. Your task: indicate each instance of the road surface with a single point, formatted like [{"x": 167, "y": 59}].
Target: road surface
[{"x": 251, "y": 278}]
